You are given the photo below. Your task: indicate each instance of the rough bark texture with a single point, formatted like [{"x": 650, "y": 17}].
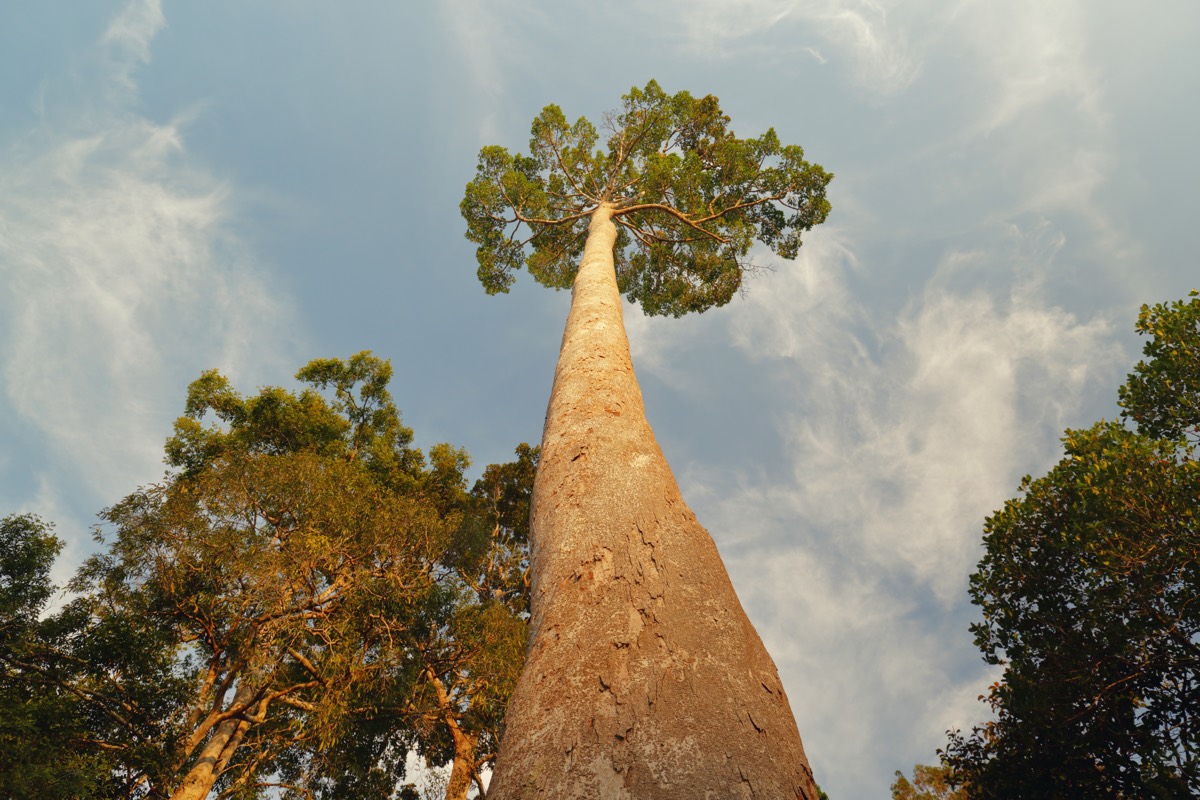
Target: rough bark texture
[{"x": 644, "y": 677}]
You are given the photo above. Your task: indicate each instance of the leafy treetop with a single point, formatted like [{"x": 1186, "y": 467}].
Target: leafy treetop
[
  {"x": 1162, "y": 395},
  {"x": 688, "y": 196}
]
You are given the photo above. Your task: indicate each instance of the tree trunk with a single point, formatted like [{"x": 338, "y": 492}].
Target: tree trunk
[
  {"x": 214, "y": 757},
  {"x": 463, "y": 770},
  {"x": 644, "y": 678}
]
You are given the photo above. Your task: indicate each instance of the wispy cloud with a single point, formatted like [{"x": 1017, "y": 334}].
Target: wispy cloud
[
  {"x": 121, "y": 278},
  {"x": 487, "y": 36},
  {"x": 130, "y": 35},
  {"x": 903, "y": 430},
  {"x": 863, "y": 35}
]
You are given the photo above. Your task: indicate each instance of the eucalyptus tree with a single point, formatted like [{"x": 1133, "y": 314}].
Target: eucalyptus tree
[
  {"x": 644, "y": 677},
  {"x": 471, "y": 642},
  {"x": 304, "y": 598}
]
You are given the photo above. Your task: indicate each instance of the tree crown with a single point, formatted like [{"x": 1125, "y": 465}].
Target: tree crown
[{"x": 688, "y": 196}]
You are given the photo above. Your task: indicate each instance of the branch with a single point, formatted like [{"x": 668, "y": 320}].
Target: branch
[
  {"x": 95, "y": 698},
  {"x": 702, "y": 220},
  {"x": 308, "y": 665},
  {"x": 678, "y": 215},
  {"x": 563, "y": 166},
  {"x": 538, "y": 221}
]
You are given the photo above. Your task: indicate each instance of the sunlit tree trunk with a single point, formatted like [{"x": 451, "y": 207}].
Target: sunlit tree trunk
[
  {"x": 644, "y": 677},
  {"x": 214, "y": 756},
  {"x": 462, "y": 770}
]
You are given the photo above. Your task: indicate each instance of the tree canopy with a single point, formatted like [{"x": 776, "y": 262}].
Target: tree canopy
[
  {"x": 1090, "y": 593},
  {"x": 304, "y": 599},
  {"x": 688, "y": 196},
  {"x": 41, "y": 726},
  {"x": 928, "y": 783}
]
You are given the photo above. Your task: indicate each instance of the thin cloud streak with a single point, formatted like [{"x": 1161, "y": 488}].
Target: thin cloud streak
[
  {"x": 859, "y": 33},
  {"x": 121, "y": 278}
]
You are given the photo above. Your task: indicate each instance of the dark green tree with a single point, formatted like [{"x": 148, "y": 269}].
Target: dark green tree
[
  {"x": 633, "y": 684},
  {"x": 42, "y": 736},
  {"x": 1162, "y": 396},
  {"x": 1090, "y": 593},
  {"x": 472, "y": 641}
]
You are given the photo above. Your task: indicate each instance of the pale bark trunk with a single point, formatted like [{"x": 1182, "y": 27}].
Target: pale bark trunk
[
  {"x": 462, "y": 770},
  {"x": 644, "y": 677},
  {"x": 225, "y": 739}
]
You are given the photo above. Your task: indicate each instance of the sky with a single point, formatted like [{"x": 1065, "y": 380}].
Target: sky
[{"x": 248, "y": 186}]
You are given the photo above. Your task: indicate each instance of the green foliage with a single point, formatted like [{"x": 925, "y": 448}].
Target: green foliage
[
  {"x": 1089, "y": 591},
  {"x": 1163, "y": 394},
  {"x": 272, "y": 589},
  {"x": 40, "y": 729},
  {"x": 928, "y": 783},
  {"x": 472, "y": 643},
  {"x": 290, "y": 595},
  {"x": 27, "y": 551},
  {"x": 689, "y": 197},
  {"x": 359, "y": 422}
]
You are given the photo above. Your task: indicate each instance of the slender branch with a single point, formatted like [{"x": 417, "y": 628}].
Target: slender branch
[
  {"x": 675, "y": 213},
  {"x": 538, "y": 221},
  {"x": 304, "y": 662},
  {"x": 698, "y": 222},
  {"x": 562, "y": 165}
]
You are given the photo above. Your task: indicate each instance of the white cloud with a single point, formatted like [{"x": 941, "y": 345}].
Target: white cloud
[
  {"x": 1034, "y": 53},
  {"x": 903, "y": 429},
  {"x": 121, "y": 279},
  {"x": 130, "y": 34},
  {"x": 863, "y": 34}
]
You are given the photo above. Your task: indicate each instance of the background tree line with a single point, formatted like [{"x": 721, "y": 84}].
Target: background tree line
[{"x": 301, "y": 601}]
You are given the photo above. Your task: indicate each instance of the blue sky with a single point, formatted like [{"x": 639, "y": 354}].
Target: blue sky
[{"x": 251, "y": 185}]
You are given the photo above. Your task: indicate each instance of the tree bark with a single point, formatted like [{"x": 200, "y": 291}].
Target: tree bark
[
  {"x": 644, "y": 677},
  {"x": 226, "y": 737},
  {"x": 462, "y": 770}
]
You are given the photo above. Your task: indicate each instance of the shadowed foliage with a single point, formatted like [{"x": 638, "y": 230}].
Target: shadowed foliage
[{"x": 1090, "y": 593}]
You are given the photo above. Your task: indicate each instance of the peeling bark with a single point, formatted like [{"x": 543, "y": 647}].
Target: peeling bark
[{"x": 644, "y": 677}]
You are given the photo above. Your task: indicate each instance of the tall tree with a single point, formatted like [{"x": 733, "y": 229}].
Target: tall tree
[
  {"x": 644, "y": 678},
  {"x": 1090, "y": 593}
]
